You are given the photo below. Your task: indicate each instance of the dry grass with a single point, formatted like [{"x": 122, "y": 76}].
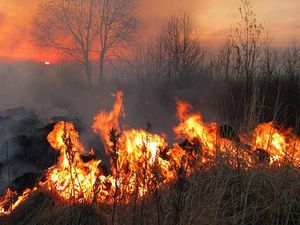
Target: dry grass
[
  {"x": 44, "y": 208},
  {"x": 221, "y": 195}
]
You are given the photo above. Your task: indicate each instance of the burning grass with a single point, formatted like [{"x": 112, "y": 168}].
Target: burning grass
[
  {"x": 214, "y": 177},
  {"x": 44, "y": 207},
  {"x": 220, "y": 195}
]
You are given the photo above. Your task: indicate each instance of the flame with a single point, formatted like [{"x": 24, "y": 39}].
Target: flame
[
  {"x": 71, "y": 178},
  {"x": 10, "y": 201},
  {"x": 281, "y": 144},
  {"x": 142, "y": 161},
  {"x": 193, "y": 128},
  {"x": 105, "y": 121}
]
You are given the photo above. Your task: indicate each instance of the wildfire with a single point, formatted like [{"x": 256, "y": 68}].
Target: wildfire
[
  {"x": 71, "y": 178},
  {"x": 142, "y": 162},
  {"x": 281, "y": 145}
]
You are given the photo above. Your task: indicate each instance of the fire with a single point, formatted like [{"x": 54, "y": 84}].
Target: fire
[
  {"x": 10, "y": 201},
  {"x": 280, "y": 144},
  {"x": 194, "y": 129},
  {"x": 142, "y": 161},
  {"x": 105, "y": 121},
  {"x": 138, "y": 151},
  {"x": 71, "y": 177},
  {"x": 205, "y": 137}
]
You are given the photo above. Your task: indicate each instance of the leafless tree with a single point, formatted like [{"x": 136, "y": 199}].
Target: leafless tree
[
  {"x": 224, "y": 60},
  {"x": 173, "y": 54},
  {"x": 247, "y": 45},
  {"x": 86, "y": 29},
  {"x": 67, "y": 26},
  {"x": 117, "y": 25},
  {"x": 146, "y": 63},
  {"x": 292, "y": 60},
  {"x": 179, "y": 47},
  {"x": 270, "y": 58}
]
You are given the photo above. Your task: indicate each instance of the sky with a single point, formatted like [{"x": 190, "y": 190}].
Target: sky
[{"x": 213, "y": 18}]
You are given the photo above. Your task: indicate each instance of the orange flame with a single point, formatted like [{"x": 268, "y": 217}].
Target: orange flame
[
  {"x": 105, "y": 121},
  {"x": 282, "y": 145},
  {"x": 142, "y": 161}
]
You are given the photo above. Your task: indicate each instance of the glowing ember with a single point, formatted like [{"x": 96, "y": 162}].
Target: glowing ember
[{"x": 142, "y": 161}]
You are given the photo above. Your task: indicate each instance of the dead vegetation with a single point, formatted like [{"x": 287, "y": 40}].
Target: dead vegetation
[
  {"x": 215, "y": 192},
  {"x": 220, "y": 195}
]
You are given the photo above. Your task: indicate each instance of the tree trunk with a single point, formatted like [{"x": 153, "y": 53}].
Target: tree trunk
[
  {"x": 101, "y": 67},
  {"x": 88, "y": 70}
]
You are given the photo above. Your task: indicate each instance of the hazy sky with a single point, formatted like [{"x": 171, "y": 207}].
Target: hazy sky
[{"x": 214, "y": 18}]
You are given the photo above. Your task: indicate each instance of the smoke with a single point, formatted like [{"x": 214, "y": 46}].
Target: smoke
[{"x": 60, "y": 91}]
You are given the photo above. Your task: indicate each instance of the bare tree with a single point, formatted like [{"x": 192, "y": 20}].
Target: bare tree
[
  {"x": 224, "y": 60},
  {"x": 240, "y": 52},
  {"x": 117, "y": 24},
  {"x": 179, "y": 47},
  {"x": 174, "y": 54},
  {"x": 247, "y": 45},
  {"x": 292, "y": 60},
  {"x": 146, "y": 63},
  {"x": 67, "y": 26},
  {"x": 270, "y": 59},
  {"x": 86, "y": 29}
]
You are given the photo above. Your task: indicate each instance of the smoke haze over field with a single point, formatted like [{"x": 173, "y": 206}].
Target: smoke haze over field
[
  {"x": 60, "y": 90},
  {"x": 205, "y": 83}
]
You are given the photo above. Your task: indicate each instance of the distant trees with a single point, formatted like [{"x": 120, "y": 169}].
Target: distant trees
[
  {"x": 247, "y": 45},
  {"x": 270, "y": 58},
  {"x": 247, "y": 35},
  {"x": 223, "y": 64},
  {"x": 239, "y": 62},
  {"x": 180, "y": 49},
  {"x": 85, "y": 30},
  {"x": 117, "y": 25},
  {"x": 259, "y": 76},
  {"x": 175, "y": 54},
  {"x": 241, "y": 47},
  {"x": 68, "y": 26}
]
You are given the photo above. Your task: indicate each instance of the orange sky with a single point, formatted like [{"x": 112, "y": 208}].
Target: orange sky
[{"x": 214, "y": 18}]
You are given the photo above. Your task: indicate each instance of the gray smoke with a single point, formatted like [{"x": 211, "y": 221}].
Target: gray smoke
[{"x": 33, "y": 94}]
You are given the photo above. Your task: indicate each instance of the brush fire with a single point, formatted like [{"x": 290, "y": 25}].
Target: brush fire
[{"x": 142, "y": 161}]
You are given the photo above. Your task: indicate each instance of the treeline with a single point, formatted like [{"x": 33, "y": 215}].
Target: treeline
[
  {"x": 249, "y": 79},
  {"x": 253, "y": 81}
]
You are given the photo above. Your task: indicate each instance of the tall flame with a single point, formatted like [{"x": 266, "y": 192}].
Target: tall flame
[
  {"x": 105, "y": 121},
  {"x": 71, "y": 177},
  {"x": 142, "y": 161}
]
